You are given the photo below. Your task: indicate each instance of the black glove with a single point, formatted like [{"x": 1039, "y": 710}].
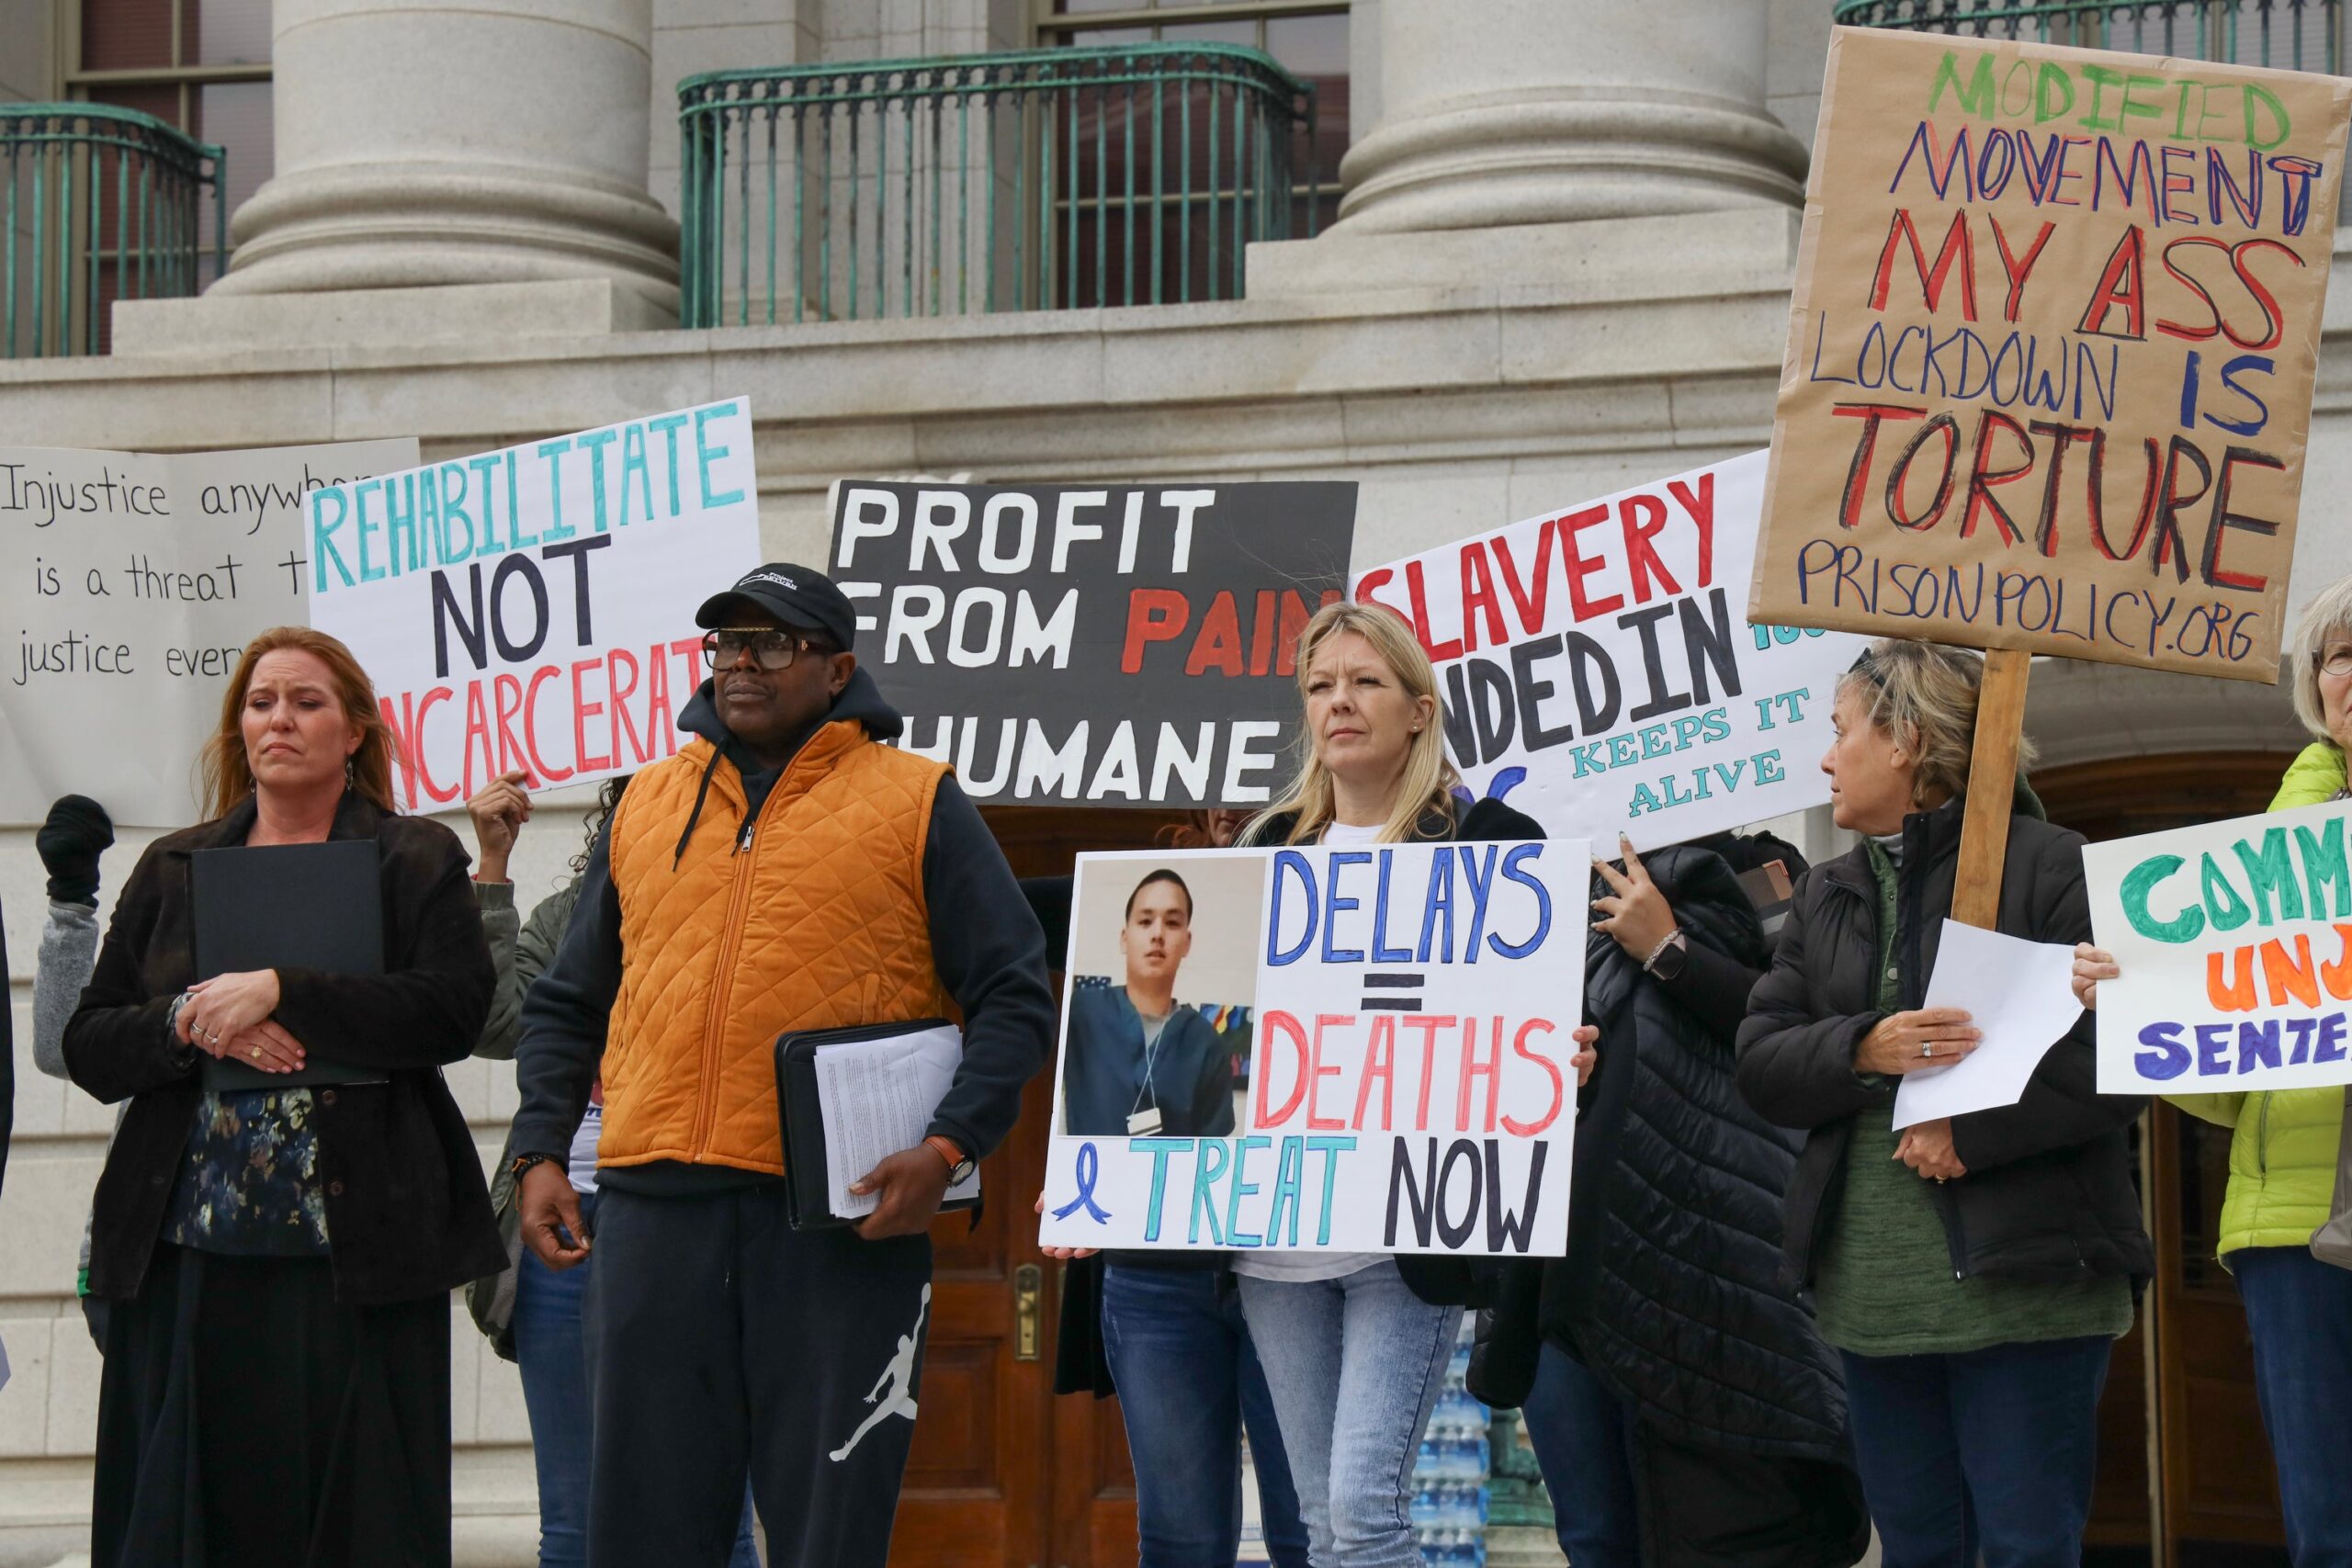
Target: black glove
[{"x": 78, "y": 831}]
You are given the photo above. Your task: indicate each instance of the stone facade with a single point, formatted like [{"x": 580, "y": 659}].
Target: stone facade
[{"x": 1474, "y": 344}]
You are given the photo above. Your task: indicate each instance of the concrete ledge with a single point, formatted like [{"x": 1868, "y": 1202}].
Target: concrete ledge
[
  {"x": 246, "y": 324},
  {"x": 1620, "y": 258}
]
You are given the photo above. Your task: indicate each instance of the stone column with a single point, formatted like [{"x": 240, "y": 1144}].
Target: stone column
[
  {"x": 459, "y": 142},
  {"x": 1502, "y": 113}
]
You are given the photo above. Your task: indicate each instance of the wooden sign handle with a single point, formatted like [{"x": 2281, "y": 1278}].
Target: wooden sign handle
[{"x": 1992, "y": 769}]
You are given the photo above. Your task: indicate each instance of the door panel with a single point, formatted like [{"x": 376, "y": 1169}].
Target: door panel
[
  {"x": 1003, "y": 1474},
  {"x": 976, "y": 1488}
]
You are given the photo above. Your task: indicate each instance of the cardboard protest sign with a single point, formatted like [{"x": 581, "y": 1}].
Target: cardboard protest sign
[
  {"x": 1595, "y": 668},
  {"x": 133, "y": 581},
  {"x": 1407, "y": 1088},
  {"x": 2049, "y": 373},
  {"x": 535, "y": 607},
  {"x": 2235, "y": 940},
  {"x": 1122, "y": 645}
]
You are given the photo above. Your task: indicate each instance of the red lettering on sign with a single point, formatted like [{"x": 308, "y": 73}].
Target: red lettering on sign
[{"x": 1154, "y": 614}]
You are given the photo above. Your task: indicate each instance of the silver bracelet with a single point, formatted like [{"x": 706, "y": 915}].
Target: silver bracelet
[{"x": 1663, "y": 943}]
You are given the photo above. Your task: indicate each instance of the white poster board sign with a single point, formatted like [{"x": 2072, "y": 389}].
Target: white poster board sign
[
  {"x": 534, "y": 607},
  {"x": 2235, "y": 943},
  {"x": 1406, "y": 1087},
  {"x": 133, "y": 581},
  {"x": 1596, "y": 666}
]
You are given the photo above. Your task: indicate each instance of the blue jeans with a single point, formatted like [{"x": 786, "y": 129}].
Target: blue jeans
[
  {"x": 1582, "y": 1436},
  {"x": 1993, "y": 1450},
  {"x": 1189, "y": 1384},
  {"x": 2300, "y": 1312},
  {"x": 554, "y": 1364},
  {"x": 1354, "y": 1365}
]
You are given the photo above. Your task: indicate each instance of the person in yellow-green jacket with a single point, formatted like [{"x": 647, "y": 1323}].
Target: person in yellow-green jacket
[{"x": 2282, "y": 1169}]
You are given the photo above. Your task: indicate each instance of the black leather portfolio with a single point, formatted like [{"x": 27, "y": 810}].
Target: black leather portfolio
[
  {"x": 800, "y": 1111},
  {"x": 288, "y": 906}
]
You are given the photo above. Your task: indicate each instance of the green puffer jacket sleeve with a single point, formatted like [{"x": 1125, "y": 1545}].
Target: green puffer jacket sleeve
[
  {"x": 2282, "y": 1155},
  {"x": 2312, "y": 778}
]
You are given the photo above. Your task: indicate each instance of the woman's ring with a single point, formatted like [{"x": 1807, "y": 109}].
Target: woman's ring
[
  {"x": 256, "y": 1052},
  {"x": 1927, "y": 1048}
]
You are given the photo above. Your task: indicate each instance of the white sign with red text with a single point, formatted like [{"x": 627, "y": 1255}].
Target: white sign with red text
[
  {"x": 534, "y": 607},
  {"x": 1596, "y": 669}
]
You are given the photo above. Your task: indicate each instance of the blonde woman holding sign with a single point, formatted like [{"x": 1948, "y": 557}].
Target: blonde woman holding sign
[
  {"x": 2283, "y": 1159},
  {"x": 1973, "y": 1271},
  {"x": 1355, "y": 1344}
]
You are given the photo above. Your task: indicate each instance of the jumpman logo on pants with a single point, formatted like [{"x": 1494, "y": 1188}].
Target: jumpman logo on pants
[{"x": 898, "y": 1377}]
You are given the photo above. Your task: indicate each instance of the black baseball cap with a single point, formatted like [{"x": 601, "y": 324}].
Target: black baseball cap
[{"x": 797, "y": 595}]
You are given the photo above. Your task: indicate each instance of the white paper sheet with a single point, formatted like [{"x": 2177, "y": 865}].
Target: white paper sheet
[
  {"x": 2020, "y": 993},
  {"x": 877, "y": 1097}
]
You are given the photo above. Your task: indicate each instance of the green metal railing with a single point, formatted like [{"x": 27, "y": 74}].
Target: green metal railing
[
  {"x": 2292, "y": 35},
  {"x": 1052, "y": 179},
  {"x": 101, "y": 204}
]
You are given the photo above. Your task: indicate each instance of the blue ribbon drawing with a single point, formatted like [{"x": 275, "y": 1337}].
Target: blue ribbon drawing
[
  {"x": 1505, "y": 780},
  {"x": 1089, "y": 1167}
]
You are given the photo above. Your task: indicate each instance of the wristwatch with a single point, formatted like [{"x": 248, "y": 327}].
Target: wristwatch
[
  {"x": 959, "y": 1164},
  {"x": 1672, "y": 953}
]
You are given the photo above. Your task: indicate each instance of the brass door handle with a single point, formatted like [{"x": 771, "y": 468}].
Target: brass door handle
[{"x": 1028, "y": 1295}]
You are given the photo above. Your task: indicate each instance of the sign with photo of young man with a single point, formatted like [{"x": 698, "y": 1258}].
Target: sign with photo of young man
[{"x": 1411, "y": 1088}]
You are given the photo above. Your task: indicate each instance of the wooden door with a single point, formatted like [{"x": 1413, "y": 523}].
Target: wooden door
[
  {"x": 1003, "y": 1474},
  {"x": 977, "y": 1493},
  {"x": 2221, "y": 1486},
  {"x": 2195, "y": 1481}
]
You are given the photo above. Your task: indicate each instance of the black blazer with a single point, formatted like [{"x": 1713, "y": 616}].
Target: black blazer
[
  {"x": 408, "y": 1215},
  {"x": 2048, "y": 1194},
  {"x": 1443, "y": 1281}
]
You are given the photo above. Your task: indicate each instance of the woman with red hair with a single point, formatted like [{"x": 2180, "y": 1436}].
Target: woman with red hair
[{"x": 279, "y": 1260}]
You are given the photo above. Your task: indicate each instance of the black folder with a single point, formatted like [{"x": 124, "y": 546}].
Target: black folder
[
  {"x": 288, "y": 906},
  {"x": 807, "y": 1176}
]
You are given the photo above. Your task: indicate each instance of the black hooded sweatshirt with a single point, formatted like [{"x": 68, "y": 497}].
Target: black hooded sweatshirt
[{"x": 985, "y": 943}]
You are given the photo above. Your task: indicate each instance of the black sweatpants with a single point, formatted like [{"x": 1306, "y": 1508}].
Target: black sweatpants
[{"x": 721, "y": 1340}]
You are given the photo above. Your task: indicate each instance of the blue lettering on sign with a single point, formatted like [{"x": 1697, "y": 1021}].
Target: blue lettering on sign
[
  {"x": 1466, "y": 880},
  {"x": 1219, "y": 1183},
  {"x": 2227, "y": 1050}
]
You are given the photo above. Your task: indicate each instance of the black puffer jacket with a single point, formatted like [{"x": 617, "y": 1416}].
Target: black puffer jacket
[
  {"x": 1671, "y": 1290},
  {"x": 2048, "y": 1194}
]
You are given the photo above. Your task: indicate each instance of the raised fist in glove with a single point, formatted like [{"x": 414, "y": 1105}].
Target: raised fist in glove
[{"x": 77, "y": 831}]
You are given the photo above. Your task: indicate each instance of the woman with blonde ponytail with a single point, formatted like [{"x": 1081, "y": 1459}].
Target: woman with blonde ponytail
[{"x": 1355, "y": 1344}]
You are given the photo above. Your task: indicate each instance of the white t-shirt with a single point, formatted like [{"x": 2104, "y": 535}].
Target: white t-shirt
[
  {"x": 1302, "y": 1267},
  {"x": 582, "y": 1164}
]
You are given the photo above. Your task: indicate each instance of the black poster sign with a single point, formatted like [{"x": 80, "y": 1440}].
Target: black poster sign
[{"x": 1116, "y": 645}]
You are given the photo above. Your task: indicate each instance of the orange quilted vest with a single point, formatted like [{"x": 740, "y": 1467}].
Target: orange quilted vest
[{"x": 818, "y": 923}]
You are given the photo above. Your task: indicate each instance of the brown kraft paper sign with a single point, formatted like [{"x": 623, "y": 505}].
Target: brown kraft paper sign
[{"x": 2049, "y": 375}]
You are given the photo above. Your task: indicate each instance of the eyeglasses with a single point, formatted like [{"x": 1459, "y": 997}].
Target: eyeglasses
[
  {"x": 770, "y": 650},
  {"x": 2337, "y": 660}
]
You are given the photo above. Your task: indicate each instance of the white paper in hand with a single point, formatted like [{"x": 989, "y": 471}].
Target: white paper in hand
[
  {"x": 2020, "y": 993},
  {"x": 877, "y": 1097}
]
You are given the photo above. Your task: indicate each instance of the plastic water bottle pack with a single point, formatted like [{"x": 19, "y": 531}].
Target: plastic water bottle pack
[{"x": 1450, "y": 1493}]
